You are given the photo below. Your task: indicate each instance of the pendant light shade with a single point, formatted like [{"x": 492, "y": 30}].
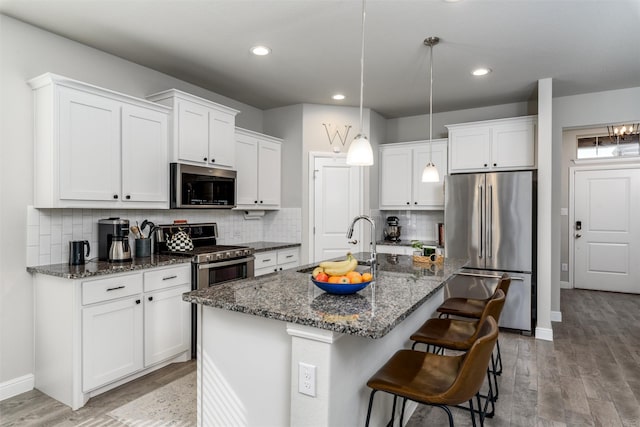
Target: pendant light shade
[
  {"x": 430, "y": 172},
  {"x": 360, "y": 152}
]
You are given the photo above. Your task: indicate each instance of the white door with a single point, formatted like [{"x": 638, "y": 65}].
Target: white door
[
  {"x": 396, "y": 177},
  {"x": 221, "y": 139},
  {"x": 337, "y": 200},
  {"x": 607, "y": 230},
  {"x": 247, "y": 169},
  {"x": 193, "y": 132},
  {"x": 269, "y": 167}
]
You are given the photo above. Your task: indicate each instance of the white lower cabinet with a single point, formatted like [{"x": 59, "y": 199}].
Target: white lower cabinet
[
  {"x": 278, "y": 260},
  {"x": 111, "y": 337},
  {"x": 166, "y": 321},
  {"x": 94, "y": 334}
]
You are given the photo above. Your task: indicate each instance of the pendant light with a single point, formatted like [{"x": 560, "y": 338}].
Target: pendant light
[
  {"x": 430, "y": 172},
  {"x": 360, "y": 152}
]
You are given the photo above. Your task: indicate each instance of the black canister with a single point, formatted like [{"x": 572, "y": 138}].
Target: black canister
[{"x": 76, "y": 251}]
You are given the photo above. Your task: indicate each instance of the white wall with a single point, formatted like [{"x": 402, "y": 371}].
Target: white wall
[{"x": 25, "y": 53}]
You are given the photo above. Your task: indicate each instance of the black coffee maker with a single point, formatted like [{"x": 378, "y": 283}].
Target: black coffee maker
[
  {"x": 108, "y": 229},
  {"x": 392, "y": 231}
]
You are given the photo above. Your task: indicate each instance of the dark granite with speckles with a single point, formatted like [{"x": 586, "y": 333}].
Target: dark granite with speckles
[
  {"x": 102, "y": 268},
  {"x": 401, "y": 286},
  {"x": 268, "y": 246}
]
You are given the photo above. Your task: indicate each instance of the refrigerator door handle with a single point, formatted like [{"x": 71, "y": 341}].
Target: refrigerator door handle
[
  {"x": 480, "y": 221},
  {"x": 490, "y": 223},
  {"x": 489, "y": 276}
]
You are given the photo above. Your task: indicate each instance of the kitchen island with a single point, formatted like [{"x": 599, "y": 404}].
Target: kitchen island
[{"x": 276, "y": 350}]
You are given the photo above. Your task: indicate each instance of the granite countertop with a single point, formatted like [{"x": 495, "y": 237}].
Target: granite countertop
[
  {"x": 101, "y": 268},
  {"x": 400, "y": 288},
  {"x": 406, "y": 242},
  {"x": 269, "y": 246}
]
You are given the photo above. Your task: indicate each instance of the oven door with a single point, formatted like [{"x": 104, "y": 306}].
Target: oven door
[{"x": 216, "y": 273}]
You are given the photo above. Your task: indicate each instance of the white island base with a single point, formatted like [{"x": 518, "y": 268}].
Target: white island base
[{"x": 248, "y": 370}]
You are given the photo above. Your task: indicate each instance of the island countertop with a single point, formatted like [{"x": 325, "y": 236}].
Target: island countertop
[{"x": 401, "y": 286}]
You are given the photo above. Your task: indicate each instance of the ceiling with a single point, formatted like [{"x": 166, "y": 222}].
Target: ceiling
[{"x": 584, "y": 45}]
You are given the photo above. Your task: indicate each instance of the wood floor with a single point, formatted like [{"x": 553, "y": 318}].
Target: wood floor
[{"x": 588, "y": 376}]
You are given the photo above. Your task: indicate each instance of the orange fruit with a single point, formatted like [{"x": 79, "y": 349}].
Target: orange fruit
[
  {"x": 343, "y": 280},
  {"x": 356, "y": 279},
  {"x": 353, "y": 274},
  {"x": 366, "y": 277},
  {"x": 334, "y": 279}
]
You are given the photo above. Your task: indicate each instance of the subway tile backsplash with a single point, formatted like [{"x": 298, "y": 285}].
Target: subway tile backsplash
[{"x": 49, "y": 231}]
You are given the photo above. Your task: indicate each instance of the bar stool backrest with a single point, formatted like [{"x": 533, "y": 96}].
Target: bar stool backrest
[
  {"x": 492, "y": 309},
  {"x": 503, "y": 284},
  {"x": 473, "y": 369}
]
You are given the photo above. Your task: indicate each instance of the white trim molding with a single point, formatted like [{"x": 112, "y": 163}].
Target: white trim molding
[
  {"x": 556, "y": 316},
  {"x": 545, "y": 334},
  {"x": 16, "y": 386},
  {"x": 565, "y": 285}
]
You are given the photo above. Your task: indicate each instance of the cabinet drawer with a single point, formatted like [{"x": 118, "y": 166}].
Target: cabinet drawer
[
  {"x": 167, "y": 277},
  {"x": 266, "y": 259},
  {"x": 111, "y": 288},
  {"x": 286, "y": 256}
]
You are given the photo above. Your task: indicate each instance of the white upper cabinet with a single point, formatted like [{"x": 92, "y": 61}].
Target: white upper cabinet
[
  {"x": 493, "y": 145},
  {"x": 203, "y": 132},
  {"x": 258, "y": 165},
  {"x": 401, "y": 166},
  {"x": 95, "y": 148}
]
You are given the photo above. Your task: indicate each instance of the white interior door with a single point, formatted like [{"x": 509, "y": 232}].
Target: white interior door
[
  {"x": 337, "y": 200},
  {"x": 607, "y": 230}
]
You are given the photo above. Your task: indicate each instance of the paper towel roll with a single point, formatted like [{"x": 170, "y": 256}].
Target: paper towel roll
[{"x": 253, "y": 214}]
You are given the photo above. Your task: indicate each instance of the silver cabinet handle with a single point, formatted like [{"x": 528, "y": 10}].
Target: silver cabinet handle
[
  {"x": 266, "y": 260},
  {"x": 489, "y": 276},
  {"x": 480, "y": 220},
  {"x": 289, "y": 256},
  {"x": 169, "y": 277},
  {"x": 116, "y": 288}
]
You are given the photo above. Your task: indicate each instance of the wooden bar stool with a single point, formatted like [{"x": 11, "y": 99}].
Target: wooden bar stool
[
  {"x": 438, "y": 380},
  {"x": 472, "y": 308},
  {"x": 460, "y": 335}
]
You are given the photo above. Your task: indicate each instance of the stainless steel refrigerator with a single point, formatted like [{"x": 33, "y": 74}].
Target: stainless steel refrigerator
[{"x": 490, "y": 220}]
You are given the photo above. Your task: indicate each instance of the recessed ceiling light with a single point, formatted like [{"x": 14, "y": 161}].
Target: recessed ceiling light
[
  {"x": 338, "y": 97},
  {"x": 481, "y": 71},
  {"x": 260, "y": 50}
]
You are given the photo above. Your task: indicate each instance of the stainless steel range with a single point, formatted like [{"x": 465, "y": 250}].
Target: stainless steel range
[{"x": 211, "y": 264}]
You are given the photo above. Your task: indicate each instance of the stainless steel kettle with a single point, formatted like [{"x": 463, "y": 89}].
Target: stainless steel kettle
[{"x": 120, "y": 249}]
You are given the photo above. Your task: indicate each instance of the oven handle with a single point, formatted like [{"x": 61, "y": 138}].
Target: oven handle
[{"x": 225, "y": 263}]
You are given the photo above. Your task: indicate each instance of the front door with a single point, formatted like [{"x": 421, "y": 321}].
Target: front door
[
  {"x": 606, "y": 231},
  {"x": 337, "y": 200}
]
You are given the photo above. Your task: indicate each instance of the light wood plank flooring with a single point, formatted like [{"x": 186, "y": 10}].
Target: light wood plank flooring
[{"x": 588, "y": 376}]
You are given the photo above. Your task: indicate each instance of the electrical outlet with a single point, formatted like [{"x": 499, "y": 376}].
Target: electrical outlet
[
  {"x": 307, "y": 379},
  {"x": 565, "y": 266}
]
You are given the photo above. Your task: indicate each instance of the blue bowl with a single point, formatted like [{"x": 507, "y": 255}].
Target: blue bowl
[{"x": 341, "y": 288}]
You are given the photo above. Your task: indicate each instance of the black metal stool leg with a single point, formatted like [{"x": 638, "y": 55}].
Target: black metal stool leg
[
  {"x": 393, "y": 411},
  {"x": 366, "y": 424},
  {"x": 499, "y": 371},
  {"x": 448, "y": 411},
  {"x": 473, "y": 412},
  {"x": 404, "y": 402}
]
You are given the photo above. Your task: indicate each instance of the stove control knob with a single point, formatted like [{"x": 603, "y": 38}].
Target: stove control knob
[
  {"x": 219, "y": 256},
  {"x": 238, "y": 253},
  {"x": 228, "y": 254}
]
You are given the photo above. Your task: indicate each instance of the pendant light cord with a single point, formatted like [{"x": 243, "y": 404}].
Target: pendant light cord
[
  {"x": 430, "y": 103},
  {"x": 362, "y": 66}
]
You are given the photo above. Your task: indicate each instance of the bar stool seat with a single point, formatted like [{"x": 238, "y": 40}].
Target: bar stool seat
[{"x": 438, "y": 380}]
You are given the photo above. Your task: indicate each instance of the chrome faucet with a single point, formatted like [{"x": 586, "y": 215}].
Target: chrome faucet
[{"x": 372, "y": 260}]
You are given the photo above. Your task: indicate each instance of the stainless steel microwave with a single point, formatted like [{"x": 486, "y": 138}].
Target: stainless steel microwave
[{"x": 202, "y": 187}]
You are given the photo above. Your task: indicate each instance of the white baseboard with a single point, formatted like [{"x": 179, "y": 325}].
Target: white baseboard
[
  {"x": 556, "y": 316},
  {"x": 565, "y": 285},
  {"x": 16, "y": 386},
  {"x": 545, "y": 334}
]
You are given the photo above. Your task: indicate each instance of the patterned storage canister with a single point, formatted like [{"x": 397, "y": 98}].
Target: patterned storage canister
[{"x": 180, "y": 242}]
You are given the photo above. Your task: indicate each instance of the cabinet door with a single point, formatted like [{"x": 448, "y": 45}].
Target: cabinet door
[
  {"x": 111, "y": 341},
  {"x": 167, "y": 320},
  {"x": 222, "y": 139},
  {"x": 247, "y": 169},
  {"x": 396, "y": 177},
  {"x": 193, "y": 132},
  {"x": 469, "y": 149},
  {"x": 429, "y": 194},
  {"x": 144, "y": 155},
  {"x": 513, "y": 146},
  {"x": 89, "y": 146},
  {"x": 269, "y": 162}
]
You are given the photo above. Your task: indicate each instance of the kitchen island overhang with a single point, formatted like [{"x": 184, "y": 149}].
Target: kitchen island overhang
[{"x": 255, "y": 333}]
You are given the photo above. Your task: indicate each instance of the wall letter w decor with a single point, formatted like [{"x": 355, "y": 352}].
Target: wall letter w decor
[{"x": 336, "y": 133}]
